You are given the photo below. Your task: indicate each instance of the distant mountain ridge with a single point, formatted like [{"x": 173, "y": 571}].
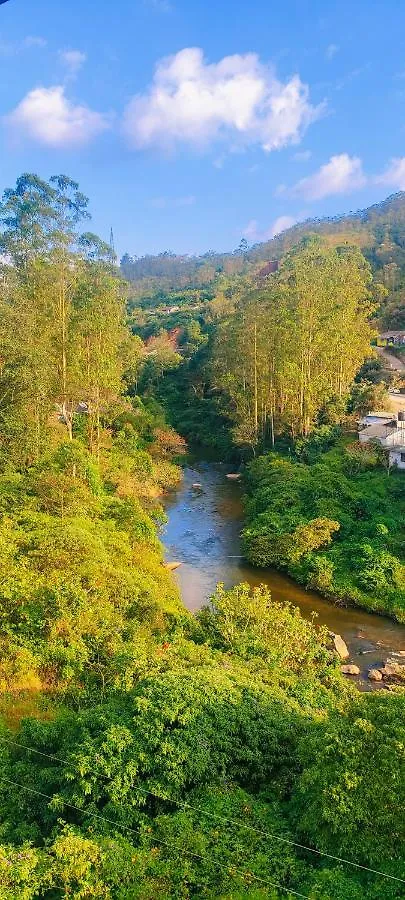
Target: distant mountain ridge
[{"x": 378, "y": 230}]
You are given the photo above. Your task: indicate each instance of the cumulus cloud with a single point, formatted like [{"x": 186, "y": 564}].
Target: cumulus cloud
[
  {"x": 342, "y": 174},
  {"x": 394, "y": 175},
  {"x": 46, "y": 115},
  {"x": 73, "y": 60},
  {"x": 238, "y": 99}
]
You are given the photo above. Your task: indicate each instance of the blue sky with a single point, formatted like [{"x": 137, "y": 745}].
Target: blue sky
[{"x": 189, "y": 124}]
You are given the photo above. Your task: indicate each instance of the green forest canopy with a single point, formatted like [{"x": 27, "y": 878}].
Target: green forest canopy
[
  {"x": 379, "y": 232},
  {"x": 145, "y": 752}
]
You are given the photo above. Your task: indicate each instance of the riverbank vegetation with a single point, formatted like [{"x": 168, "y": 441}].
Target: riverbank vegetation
[
  {"x": 270, "y": 358},
  {"x": 82, "y": 463},
  {"x": 144, "y": 752},
  {"x": 283, "y": 365},
  {"x": 334, "y": 520}
]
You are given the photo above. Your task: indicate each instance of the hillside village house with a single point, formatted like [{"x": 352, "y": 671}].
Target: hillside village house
[
  {"x": 391, "y": 339},
  {"x": 389, "y": 431}
]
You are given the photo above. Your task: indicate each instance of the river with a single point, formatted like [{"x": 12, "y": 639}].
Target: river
[{"x": 203, "y": 533}]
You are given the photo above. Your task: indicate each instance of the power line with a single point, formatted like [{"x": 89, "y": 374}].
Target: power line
[
  {"x": 198, "y": 809},
  {"x": 229, "y": 869},
  {"x": 269, "y": 834}
]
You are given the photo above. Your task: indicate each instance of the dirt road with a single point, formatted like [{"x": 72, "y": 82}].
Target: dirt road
[{"x": 392, "y": 361}]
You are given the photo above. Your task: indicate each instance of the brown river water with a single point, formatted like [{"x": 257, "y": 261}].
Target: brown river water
[{"x": 203, "y": 533}]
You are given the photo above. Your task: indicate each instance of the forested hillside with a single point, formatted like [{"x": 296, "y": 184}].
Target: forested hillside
[
  {"x": 283, "y": 364},
  {"x": 145, "y": 752},
  {"x": 378, "y": 231}
]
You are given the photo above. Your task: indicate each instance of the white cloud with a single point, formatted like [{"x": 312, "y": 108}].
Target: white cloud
[
  {"x": 46, "y": 115},
  {"x": 7, "y": 48},
  {"x": 34, "y": 41},
  {"x": 331, "y": 51},
  {"x": 342, "y": 174},
  {"x": 280, "y": 224},
  {"x": 253, "y": 233},
  {"x": 302, "y": 155},
  {"x": 73, "y": 60},
  {"x": 350, "y": 76},
  {"x": 238, "y": 99},
  {"x": 394, "y": 175}
]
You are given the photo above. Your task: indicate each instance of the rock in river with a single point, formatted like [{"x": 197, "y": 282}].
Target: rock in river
[
  {"x": 375, "y": 675},
  {"x": 392, "y": 669},
  {"x": 350, "y": 670},
  {"x": 340, "y": 646}
]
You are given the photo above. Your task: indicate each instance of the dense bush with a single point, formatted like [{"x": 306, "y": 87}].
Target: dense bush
[
  {"x": 230, "y": 745},
  {"x": 145, "y": 753},
  {"x": 337, "y": 525}
]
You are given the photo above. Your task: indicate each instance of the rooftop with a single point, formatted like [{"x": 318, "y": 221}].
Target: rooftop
[
  {"x": 388, "y": 334},
  {"x": 380, "y": 415},
  {"x": 378, "y": 431}
]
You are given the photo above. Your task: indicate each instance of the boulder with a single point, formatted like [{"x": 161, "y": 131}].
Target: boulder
[
  {"x": 350, "y": 670},
  {"x": 340, "y": 646},
  {"x": 388, "y": 671},
  {"x": 392, "y": 669},
  {"x": 375, "y": 675}
]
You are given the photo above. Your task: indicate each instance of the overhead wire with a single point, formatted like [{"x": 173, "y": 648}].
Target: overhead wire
[
  {"x": 230, "y": 869},
  {"x": 223, "y": 819}
]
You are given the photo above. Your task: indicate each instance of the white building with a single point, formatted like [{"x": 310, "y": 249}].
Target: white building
[
  {"x": 397, "y": 457},
  {"x": 389, "y": 431}
]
